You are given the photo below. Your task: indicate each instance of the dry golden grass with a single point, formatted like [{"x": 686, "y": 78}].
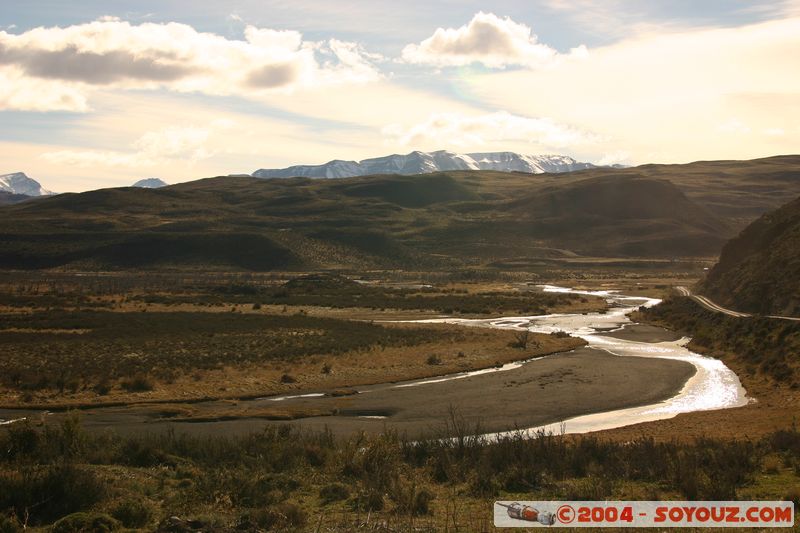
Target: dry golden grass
[{"x": 475, "y": 349}]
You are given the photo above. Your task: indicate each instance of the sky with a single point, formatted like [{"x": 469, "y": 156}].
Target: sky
[{"x": 103, "y": 93}]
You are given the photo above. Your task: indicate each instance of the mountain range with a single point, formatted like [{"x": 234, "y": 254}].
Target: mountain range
[{"x": 427, "y": 162}]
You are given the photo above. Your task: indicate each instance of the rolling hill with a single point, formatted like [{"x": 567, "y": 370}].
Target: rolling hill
[
  {"x": 759, "y": 270},
  {"x": 8, "y": 198},
  {"x": 430, "y": 221}
]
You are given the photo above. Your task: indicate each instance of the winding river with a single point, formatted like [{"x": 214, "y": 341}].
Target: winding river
[
  {"x": 516, "y": 387},
  {"x": 713, "y": 386}
]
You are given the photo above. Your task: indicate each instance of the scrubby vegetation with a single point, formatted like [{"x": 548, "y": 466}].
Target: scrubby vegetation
[
  {"x": 325, "y": 290},
  {"x": 759, "y": 271},
  {"x": 354, "y": 295},
  {"x": 66, "y": 350},
  {"x": 766, "y": 345},
  {"x": 282, "y": 479}
]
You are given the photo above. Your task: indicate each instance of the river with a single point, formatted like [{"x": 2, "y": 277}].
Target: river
[
  {"x": 713, "y": 386},
  {"x": 615, "y": 381}
]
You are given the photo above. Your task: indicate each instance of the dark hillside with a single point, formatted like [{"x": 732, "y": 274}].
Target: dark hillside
[
  {"x": 759, "y": 271},
  {"x": 441, "y": 220}
]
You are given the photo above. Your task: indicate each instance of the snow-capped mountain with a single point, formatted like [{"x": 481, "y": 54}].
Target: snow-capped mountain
[
  {"x": 533, "y": 164},
  {"x": 19, "y": 183},
  {"x": 150, "y": 183},
  {"x": 425, "y": 162}
]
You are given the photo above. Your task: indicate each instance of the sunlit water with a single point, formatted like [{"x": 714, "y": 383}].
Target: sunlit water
[{"x": 713, "y": 386}]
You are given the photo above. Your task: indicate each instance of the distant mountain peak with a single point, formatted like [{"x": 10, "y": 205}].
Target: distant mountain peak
[
  {"x": 418, "y": 162},
  {"x": 150, "y": 183},
  {"x": 20, "y": 183}
]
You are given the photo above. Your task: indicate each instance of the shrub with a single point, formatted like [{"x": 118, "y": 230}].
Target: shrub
[
  {"x": 138, "y": 383},
  {"x": 793, "y": 495},
  {"x": 370, "y": 500},
  {"x": 22, "y": 439},
  {"x": 288, "y": 378},
  {"x": 772, "y": 465},
  {"x": 85, "y": 522},
  {"x": 422, "y": 502},
  {"x": 334, "y": 492},
  {"x": 244, "y": 489},
  {"x": 410, "y": 499},
  {"x": 521, "y": 339},
  {"x": 10, "y": 524},
  {"x": 102, "y": 388},
  {"x": 133, "y": 513},
  {"x": 48, "y": 493},
  {"x": 434, "y": 360},
  {"x": 279, "y": 517},
  {"x": 143, "y": 453}
]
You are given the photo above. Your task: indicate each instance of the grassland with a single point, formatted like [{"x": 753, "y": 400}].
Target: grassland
[
  {"x": 283, "y": 480},
  {"x": 87, "y": 340},
  {"x": 75, "y": 340}
]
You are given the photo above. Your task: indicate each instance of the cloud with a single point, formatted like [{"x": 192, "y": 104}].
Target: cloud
[
  {"x": 72, "y": 64},
  {"x": 461, "y": 130},
  {"x": 23, "y": 93},
  {"x": 113, "y": 53},
  {"x": 669, "y": 97},
  {"x": 487, "y": 39},
  {"x": 614, "y": 158},
  {"x": 151, "y": 149},
  {"x": 735, "y": 126},
  {"x": 277, "y": 75}
]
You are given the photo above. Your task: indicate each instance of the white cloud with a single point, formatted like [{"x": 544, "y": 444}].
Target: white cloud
[
  {"x": 116, "y": 54},
  {"x": 448, "y": 129},
  {"x": 20, "y": 92},
  {"x": 151, "y": 149},
  {"x": 488, "y": 39},
  {"x": 669, "y": 97}
]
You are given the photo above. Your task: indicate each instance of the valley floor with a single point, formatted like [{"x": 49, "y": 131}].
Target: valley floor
[{"x": 255, "y": 465}]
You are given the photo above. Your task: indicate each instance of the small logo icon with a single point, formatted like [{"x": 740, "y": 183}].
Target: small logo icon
[
  {"x": 529, "y": 514},
  {"x": 566, "y": 514}
]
